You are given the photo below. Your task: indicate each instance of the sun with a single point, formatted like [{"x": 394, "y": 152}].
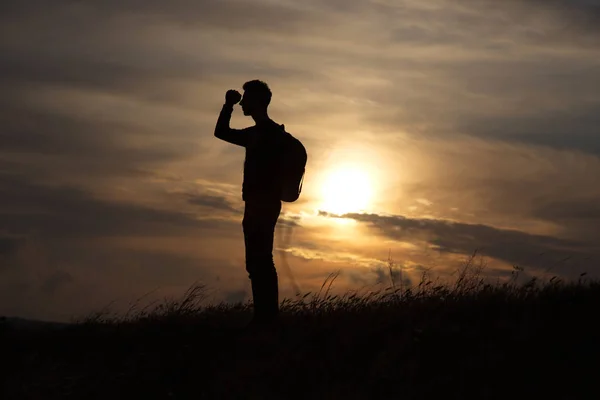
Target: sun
[{"x": 346, "y": 189}]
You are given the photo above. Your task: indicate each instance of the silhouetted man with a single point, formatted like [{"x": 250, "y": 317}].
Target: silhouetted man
[{"x": 261, "y": 190}]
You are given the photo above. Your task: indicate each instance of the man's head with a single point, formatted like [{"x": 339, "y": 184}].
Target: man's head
[{"x": 257, "y": 97}]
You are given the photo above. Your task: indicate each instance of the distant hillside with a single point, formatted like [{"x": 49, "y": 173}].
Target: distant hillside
[{"x": 15, "y": 323}]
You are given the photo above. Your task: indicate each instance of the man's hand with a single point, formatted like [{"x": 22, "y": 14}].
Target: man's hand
[{"x": 232, "y": 97}]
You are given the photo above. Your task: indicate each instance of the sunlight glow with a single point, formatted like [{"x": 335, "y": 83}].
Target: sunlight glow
[{"x": 346, "y": 189}]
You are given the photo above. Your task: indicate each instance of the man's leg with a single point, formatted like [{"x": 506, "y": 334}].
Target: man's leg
[{"x": 260, "y": 218}]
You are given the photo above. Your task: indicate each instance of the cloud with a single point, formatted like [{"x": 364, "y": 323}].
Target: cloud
[
  {"x": 55, "y": 281},
  {"x": 231, "y": 14},
  {"x": 8, "y": 246},
  {"x": 485, "y": 107},
  {"x": 46, "y": 133},
  {"x": 211, "y": 201},
  {"x": 345, "y": 259},
  {"x": 42, "y": 279},
  {"x": 72, "y": 212},
  {"x": 563, "y": 129},
  {"x": 236, "y": 296},
  {"x": 481, "y": 84},
  {"x": 143, "y": 48},
  {"x": 514, "y": 247},
  {"x": 580, "y": 217}
]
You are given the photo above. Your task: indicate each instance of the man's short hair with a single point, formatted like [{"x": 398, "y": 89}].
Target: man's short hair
[{"x": 260, "y": 89}]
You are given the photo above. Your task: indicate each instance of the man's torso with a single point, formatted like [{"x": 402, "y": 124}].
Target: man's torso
[{"x": 262, "y": 165}]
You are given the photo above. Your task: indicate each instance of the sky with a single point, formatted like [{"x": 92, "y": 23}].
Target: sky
[{"x": 448, "y": 126}]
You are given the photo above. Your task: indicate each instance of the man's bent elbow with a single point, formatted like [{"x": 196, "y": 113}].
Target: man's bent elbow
[{"x": 219, "y": 133}]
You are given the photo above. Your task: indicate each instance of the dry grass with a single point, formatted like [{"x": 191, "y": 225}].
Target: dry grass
[{"x": 464, "y": 339}]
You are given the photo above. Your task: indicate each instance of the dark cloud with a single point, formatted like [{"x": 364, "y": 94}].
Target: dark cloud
[
  {"x": 121, "y": 47},
  {"x": 66, "y": 211},
  {"x": 232, "y": 14},
  {"x": 56, "y": 249},
  {"x": 576, "y": 209},
  {"x": 515, "y": 247},
  {"x": 547, "y": 100},
  {"x": 396, "y": 276},
  {"x": 47, "y": 146},
  {"x": 524, "y": 73},
  {"x": 159, "y": 269},
  {"x": 289, "y": 221},
  {"x": 529, "y": 22},
  {"x": 84, "y": 48},
  {"x": 55, "y": 281},
  {"x": 163, "y": 52},
  {"x": 37, "y": 132},
  {"x": 212, "y": 201},
  {"x": 97, "y": 275},
  {"x": 575, "y": 129},
  {"x": 585, "y": 12},
  {"x": 7, "y": 245},
  {"x": 218, "y": 202},
  {"x": 236, "y": 296},
  {"x": 579, "y": 217},
  {"x": 148, "y": 81}
]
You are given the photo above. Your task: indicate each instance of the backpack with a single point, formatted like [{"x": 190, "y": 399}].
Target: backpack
[{"x": 294, "y": 159}]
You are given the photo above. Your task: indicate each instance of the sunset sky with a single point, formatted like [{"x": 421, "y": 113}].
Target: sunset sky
[{"x": 433, "y": 128}]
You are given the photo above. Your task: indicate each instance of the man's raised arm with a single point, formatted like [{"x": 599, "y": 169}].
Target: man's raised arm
[{"x": 222, "y": 129}]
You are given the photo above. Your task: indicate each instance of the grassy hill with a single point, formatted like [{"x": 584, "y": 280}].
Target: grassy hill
[{"x": 468, "y": 340}]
